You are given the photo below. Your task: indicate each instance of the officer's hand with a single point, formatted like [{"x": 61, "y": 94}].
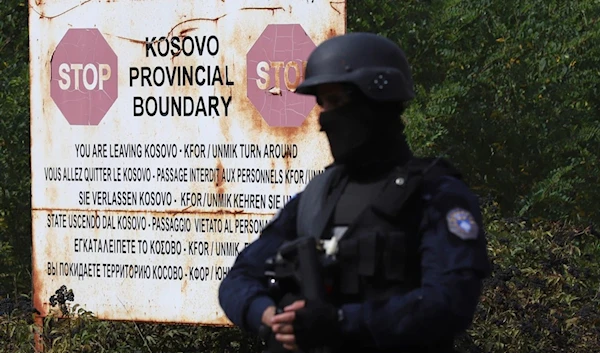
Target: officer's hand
[
  {"x": 313, "y": 324},
  {"x": 282, "y": 325},
  {"x": 267, "y": 315}
]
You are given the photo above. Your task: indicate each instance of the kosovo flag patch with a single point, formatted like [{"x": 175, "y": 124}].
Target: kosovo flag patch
[{"x": 462, "y": 224}]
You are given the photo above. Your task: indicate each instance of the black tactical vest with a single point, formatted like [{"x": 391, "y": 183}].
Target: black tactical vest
[{"x": 377, "y": 255}]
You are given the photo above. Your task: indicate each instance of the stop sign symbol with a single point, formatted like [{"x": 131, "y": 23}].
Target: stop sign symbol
[
  {"x": 275, "y": 67},
  {"x": 84, "y": 81}
]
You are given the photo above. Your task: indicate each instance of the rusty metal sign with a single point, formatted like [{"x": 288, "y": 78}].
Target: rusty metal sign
[{"x": 164, "y": 136}]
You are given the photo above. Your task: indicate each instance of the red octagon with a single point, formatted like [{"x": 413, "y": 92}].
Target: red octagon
[
  {"x": 84, "y": 81},
  {"x": 276, "y": 65}
]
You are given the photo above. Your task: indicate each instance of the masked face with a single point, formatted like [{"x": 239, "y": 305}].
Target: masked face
[
  {"x": 348, "y": 131},
  {"x": 360, "y": 132}
]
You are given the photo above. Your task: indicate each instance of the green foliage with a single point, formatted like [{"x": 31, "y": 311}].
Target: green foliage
[
  {"x": 512, "y": 87},
  {"x": 544, "y": 295},
  {"x": 79, "y": 331},
  {"x": 15, "y": 204},
  {"x": 16, "y": 333}
]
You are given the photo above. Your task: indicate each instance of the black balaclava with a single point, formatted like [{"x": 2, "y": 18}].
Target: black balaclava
[{"x": 365, "y": 136}]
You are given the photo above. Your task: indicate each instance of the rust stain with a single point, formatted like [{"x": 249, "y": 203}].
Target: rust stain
[
  {"x": 185, "y": 31},
  {"x": 215, "y": 20},
  {"x": 260, "y": 131},
  {"x": 272, "y": 9},
  {"x": 226, "y": 121},
  {"x": 257, "y": 126},
  {"x": 185, "y": 210},
  {"x": 136, "y": 41},
  {"x": 59, "y": 14},
  {"x": 38, "y": 303},
  {"x": 222, "y": 320},
  {"x": 181, "y": 211},
  {"x": 170, "y": 33},
  {"x": 331, "y": 33},
  {"x": 45, "y": 79},
  {"x": 52, "y": 193},
  {"x": 38, "y": 342},
  {"x": 218, "y": 183},
  {"x": 184, "y": 284}
]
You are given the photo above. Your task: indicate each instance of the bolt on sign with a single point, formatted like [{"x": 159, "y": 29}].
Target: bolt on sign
[{"x": 164, "y": 136}]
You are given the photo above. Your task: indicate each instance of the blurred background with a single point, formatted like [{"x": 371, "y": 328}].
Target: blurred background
[{"x": 508, "y": 90}]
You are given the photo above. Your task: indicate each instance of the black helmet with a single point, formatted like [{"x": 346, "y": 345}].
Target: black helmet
[{"x": 375, "y": 64}]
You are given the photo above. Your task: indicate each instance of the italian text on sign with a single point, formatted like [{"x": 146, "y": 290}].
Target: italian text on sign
[{"x": 164, "y": 136}]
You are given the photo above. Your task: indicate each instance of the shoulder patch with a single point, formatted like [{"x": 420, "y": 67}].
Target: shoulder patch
[{"x": 462, "y": 224}]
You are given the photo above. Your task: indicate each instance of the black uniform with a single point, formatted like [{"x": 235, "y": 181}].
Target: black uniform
[{"x": 406, "y": 232}]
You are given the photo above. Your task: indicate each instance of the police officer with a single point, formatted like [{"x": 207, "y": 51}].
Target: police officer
[{"x": 406, "y": 232}]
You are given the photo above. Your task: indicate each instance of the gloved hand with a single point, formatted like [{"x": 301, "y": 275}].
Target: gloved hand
[
  {"x": 316, "y": 325},
  {"x": 265, "y": 331},
  {"x": 272, "y": 345}
]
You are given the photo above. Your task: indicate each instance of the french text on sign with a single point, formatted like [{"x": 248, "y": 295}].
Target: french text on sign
[
  {"x": 204, "y": 175},
  {"x": 172, "y": 174},
  {"x": 87, "y": 174}
]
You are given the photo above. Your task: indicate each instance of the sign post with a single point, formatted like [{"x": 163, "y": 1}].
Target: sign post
[{"x": 164, "y": 136}]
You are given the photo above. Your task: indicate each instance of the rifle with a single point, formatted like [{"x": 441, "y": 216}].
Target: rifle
[{"x": 295, "y": 270}]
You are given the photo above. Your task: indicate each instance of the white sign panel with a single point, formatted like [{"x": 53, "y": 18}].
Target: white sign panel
[{"x": 164, "y": 136}]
